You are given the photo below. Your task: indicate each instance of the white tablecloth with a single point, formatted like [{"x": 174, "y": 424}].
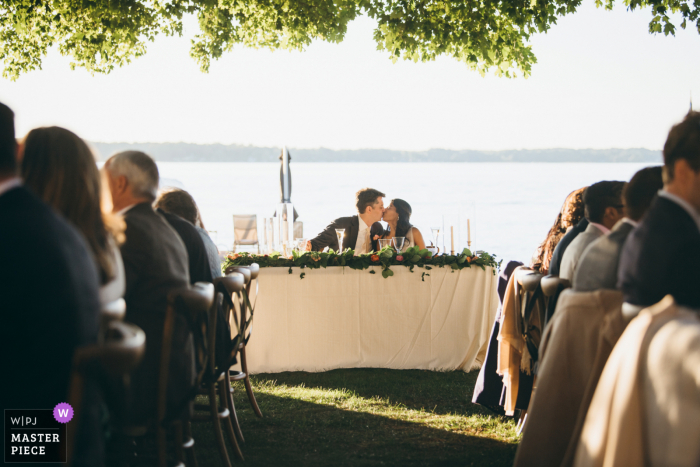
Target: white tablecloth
[{"x": 344, "y": 318}]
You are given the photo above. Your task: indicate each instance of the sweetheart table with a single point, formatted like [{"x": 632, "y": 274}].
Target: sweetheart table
[{"x": 338, "y": 317}]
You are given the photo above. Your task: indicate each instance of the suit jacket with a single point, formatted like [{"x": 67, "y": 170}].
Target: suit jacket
[
  {"x": 662, "y": 257},
  {"x": 328, "y": 237},
  {"x": 563, "y": 244},
  {"x": 198, "y": 259},
  {"x": 573, "y": 253},
  {"x": 50, "y": 305},
  {"x": 155, "y": 262},
  {"x": 597, "y": 268}
]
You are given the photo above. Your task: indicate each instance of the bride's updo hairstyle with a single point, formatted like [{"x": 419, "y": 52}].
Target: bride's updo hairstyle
[{"x": 404, "y": 211}]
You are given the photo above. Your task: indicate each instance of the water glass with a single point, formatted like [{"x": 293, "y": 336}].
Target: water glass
[
  {"x": 398, "y": 243},
  {"x": 384, "y": 242}
]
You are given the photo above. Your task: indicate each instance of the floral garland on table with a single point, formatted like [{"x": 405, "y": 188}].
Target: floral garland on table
[{"x": 385, "y": 258}]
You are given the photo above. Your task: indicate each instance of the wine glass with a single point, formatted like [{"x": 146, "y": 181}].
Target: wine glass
[
  {"x": 340, "y": 233},
  {"x": 398, "y": 243}
]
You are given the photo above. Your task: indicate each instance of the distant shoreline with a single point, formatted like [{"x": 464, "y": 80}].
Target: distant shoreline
[{"x": 186, "y": 152}]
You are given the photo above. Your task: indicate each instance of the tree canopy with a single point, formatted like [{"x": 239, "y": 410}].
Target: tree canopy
[{"x": 100, "y": 35}]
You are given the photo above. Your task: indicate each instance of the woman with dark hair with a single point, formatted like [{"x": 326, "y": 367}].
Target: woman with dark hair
[
  {"x": 572, "y": 211},
  {"x": 58, "y": 167},
  {"x": 398, "y": 216}
]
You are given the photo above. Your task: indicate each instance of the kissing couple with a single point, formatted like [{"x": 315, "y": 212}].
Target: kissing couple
[{"x": 363, "y": 230}]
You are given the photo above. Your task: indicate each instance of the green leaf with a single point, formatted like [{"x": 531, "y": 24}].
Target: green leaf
[{"x": 387, "y": 273}]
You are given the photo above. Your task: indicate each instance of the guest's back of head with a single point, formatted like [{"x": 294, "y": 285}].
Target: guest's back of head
[
  {"x": 60, "y": 169},
  {"x": 180, "y": 203},
  {"x": 683, "y": 143},
  {"x": 641, "y": 190},
  {"x": 8, "y": 144},
  {"x": 601, "y": 199},
  {"x": 140, "y": 171},
  {"x": 573, "y": 209}
]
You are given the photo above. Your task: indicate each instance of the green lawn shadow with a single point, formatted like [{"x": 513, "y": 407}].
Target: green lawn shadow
[{"x": 299, "y": 433}]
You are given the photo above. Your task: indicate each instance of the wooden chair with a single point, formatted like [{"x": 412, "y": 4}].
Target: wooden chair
[
  {"x": 117, "y": 355},
  {"x": 552, "y": 287},
  {"x": 247, "y": 313},
  {"x": 194, "y": 303},
  {"x": 110, "y": 311},
  {"x": 216, "y": 378}
]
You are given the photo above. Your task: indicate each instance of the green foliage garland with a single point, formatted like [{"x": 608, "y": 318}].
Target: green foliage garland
[
  {"x": 385, "y": 258},
  {"x": 100, "y": 35}
]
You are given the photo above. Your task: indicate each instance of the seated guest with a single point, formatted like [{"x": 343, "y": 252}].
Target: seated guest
[
  {"x": 181, "y": 203},
  {"x": 603, "y": 205},
  {"x": 662, "y": 255},
  {"x": 570, "y": 235},
  {"x": 597, "y": 268},
  {"x": 49, "y": 291},
  {"x": 59, "y": 168},
  {"x": 199, "y": 267},
  {"x": 370, "y": 208},
  {"x": 155, "y": 261},
  {"x": 570, "y": 215}
]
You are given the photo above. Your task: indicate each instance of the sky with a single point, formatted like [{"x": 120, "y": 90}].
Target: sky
[{"x": 601, "y": 81}]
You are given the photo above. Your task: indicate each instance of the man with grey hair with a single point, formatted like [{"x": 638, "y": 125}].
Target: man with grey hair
[{"x": 155, "y": 262}]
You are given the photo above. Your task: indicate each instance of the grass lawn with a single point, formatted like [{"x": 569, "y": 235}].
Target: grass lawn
[{"x": 365, "y": 417}]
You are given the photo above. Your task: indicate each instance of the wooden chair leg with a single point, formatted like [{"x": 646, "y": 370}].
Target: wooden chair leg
[
  {"x": 214, "y": 411},
  {"x": 232, "y": 408},
  {"x": 179, "y": 441},
  {"x": 229, "y": 428},
  {"x": 161, "y": 441},
  {"x": 191, "y": 456},
  {"x": 248, "y": 387}
]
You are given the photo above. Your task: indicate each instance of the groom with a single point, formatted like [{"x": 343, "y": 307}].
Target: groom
[{"x": 359, "y": 229}]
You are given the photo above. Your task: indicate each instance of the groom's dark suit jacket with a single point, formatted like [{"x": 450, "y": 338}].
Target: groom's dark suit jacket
[
  {"x": 662, "y": 256},
  {"x": 328, "y": 237},
  {"x": 155, "y": 262}
]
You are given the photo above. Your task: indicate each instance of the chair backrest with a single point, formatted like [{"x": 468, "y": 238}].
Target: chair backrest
[
  {"x": 111, "y": 311},
  {"x": 298, "y": 229},
  {"x": 230, "y": 287},
  {"x": 533, "y": 316},
  {"x": 250, "y": 273},
  {"x": 552, "y": 285},
  {"x": 194, "y": 304},
  {"x": 245, "y": 227},
  {"x": 117, "y": 355}
]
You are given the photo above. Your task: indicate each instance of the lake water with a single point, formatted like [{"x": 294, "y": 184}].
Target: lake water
[{"x": 511, "y": 206}]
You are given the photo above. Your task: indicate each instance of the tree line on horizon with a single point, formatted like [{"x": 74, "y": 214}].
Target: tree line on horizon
[{"x": 187, "y": 152}]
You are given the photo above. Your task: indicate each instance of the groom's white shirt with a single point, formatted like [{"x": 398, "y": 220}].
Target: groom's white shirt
[{"x": 361, "y": 246}]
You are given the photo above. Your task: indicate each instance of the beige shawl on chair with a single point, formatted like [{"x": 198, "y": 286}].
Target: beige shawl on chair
[
  {"x": 575, "y": 346},
  {"x": 510, "y": 343}
]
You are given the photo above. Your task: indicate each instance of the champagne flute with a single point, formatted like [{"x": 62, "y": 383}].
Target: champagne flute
[
  {"x": 398, "y": 243},
  {"x": 436, "y": 233},
  {"x": 340, "y": 233}
]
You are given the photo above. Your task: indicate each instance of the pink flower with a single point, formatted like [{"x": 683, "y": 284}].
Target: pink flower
[{"x": 399, "y": 258}]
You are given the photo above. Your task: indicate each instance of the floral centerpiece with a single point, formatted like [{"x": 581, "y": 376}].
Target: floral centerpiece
[{"x": 386, "y": 258}]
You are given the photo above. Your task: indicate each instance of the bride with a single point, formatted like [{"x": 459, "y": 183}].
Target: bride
[{"x": 398, "y": 216}]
